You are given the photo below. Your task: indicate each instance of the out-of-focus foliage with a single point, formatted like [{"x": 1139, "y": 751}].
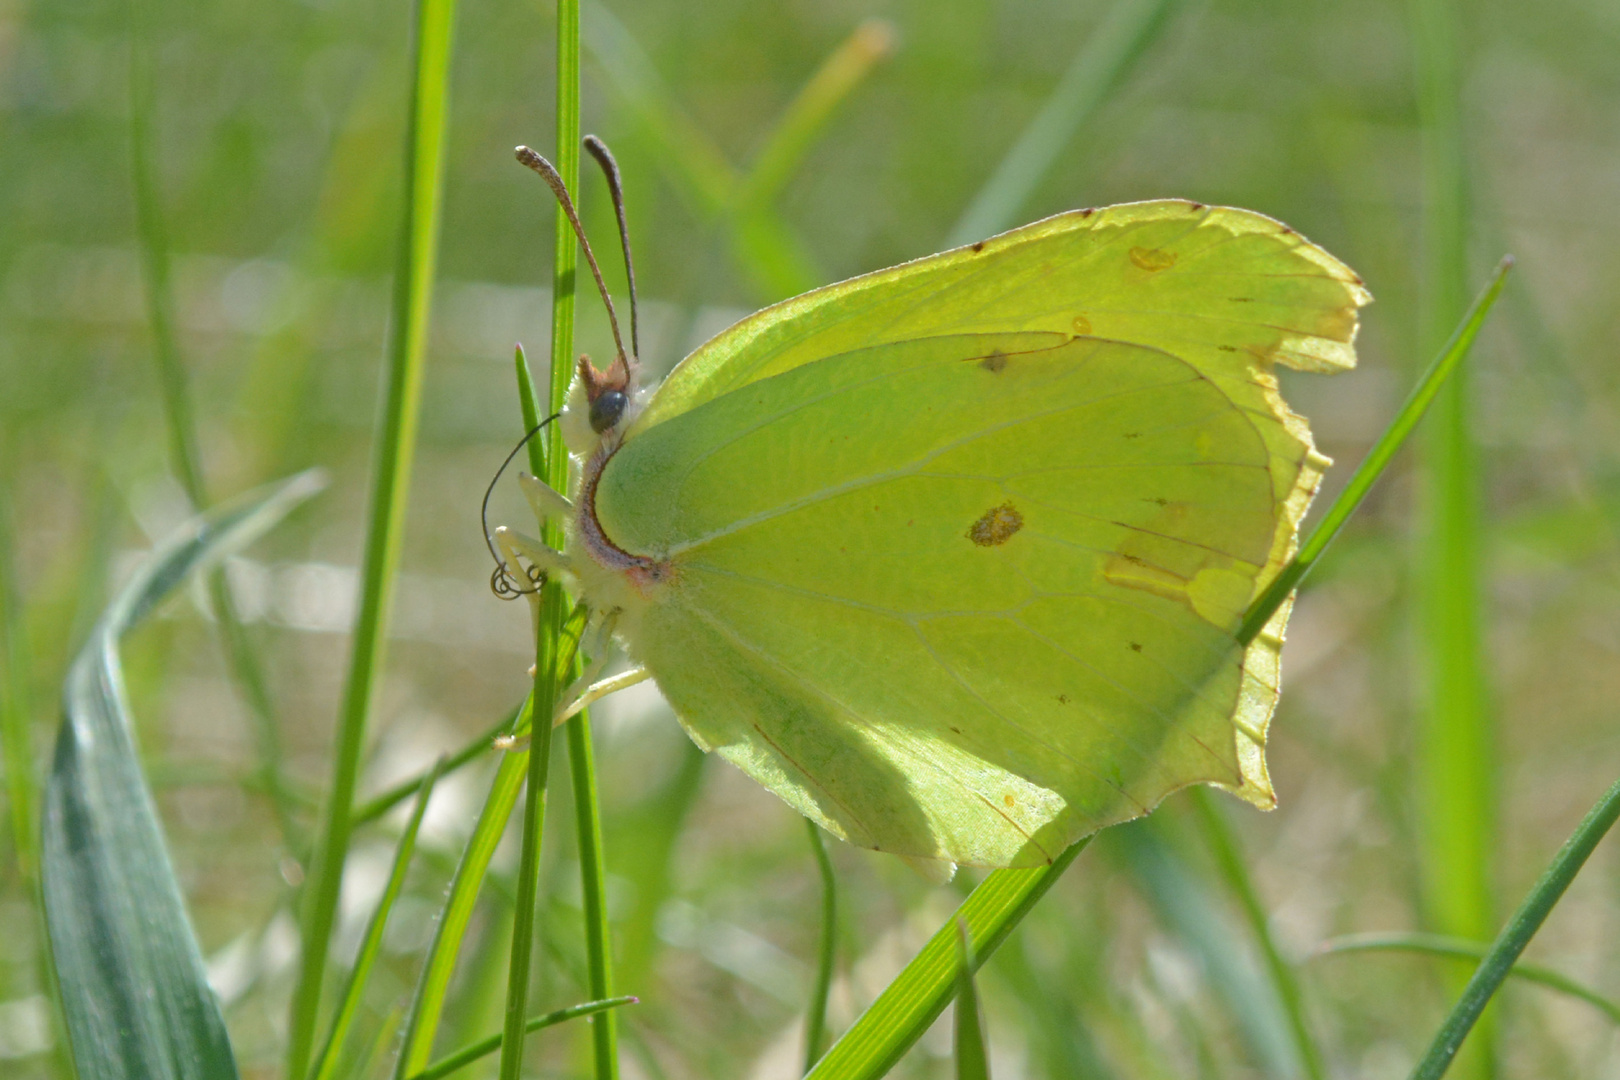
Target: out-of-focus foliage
[{"x": 277, "y": 151}]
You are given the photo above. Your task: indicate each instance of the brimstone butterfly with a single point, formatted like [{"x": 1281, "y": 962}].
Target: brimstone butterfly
[{"x": 951, "y": 556}]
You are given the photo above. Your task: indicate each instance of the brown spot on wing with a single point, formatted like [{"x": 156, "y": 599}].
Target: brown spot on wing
[
  {"x": 995, "y": 362},
  {"x": 979, "y": 246},
  {"x": 1152, "y": 259},
  {"x": 996, "y": 526}
]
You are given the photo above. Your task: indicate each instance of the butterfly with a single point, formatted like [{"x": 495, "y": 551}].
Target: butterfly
[{"x": 951, "y": 557}]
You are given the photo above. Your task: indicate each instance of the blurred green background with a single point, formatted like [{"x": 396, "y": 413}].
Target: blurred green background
[{"x": 276, "y": 133}]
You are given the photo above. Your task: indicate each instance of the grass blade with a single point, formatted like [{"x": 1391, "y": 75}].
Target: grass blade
[
  {"x": 593, "y": 882},
  {"x": 696, "y": 165},
  {"x": 391, "y": 473},
  {"x": 761, "y": 242},
  {"x": 1100, "y": 65},
  {"x": 474, "y": 748},
  {"x": 552, "y": 605},
  {"x": 971, "y": 1062},
  {"x": 1454, "y": 752},
  {"x": 181, "y": 425},
  {"x": 1460, "y": 949},
  {"x": 905, "y": 1009},
  {"x": 371, "y": 945},
  {"x": 1223, "y": 846},
  {"x": 16, "y": 710},
  {"x": 134, "y": 995},
  {"x": 815, "y": 1025},
  {"x": 1185, "y": 907},
  {"x": 450, "y": 929},
  {"x": 469, "y": 1054},
  {"x": 1510, "y": 943},
  {"x": 806, "y": 116},
  {"x": 587, "y": 809},
  {"x": 1378, "y": 458}
]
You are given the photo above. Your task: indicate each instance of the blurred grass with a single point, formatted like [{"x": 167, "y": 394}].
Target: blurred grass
[
  {"x": 275, "y": 156},
  {"x": 392, "y": 461},
  {"x": 1456, "y": 754}
]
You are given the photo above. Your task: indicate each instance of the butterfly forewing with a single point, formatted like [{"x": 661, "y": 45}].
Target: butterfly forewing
[{"x": 965, "y": 597}]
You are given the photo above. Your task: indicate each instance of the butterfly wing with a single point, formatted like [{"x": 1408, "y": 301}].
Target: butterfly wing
[{"x": 958, "y": 550}]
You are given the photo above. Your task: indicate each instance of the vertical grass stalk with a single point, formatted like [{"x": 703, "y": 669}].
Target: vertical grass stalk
[
  {"x": 16, "y": 711},
  {"x": 1223, "y": 846},
  {"x": 180, "y": 421},
  {"x": 1455, "y": 754},
  {"x": 553, "y": 605},
  {"x": 815, "y": 1024},
  {"x": 1101, "y": 64},
  {"x": 972, "y": 1060},
  {"x": 371, "y": 945},
  {"x": 391, "y": 473},
  {"x": 450, "y": 929}
]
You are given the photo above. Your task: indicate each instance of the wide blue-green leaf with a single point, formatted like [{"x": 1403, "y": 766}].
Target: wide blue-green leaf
[{"x": 134, "y": 995}]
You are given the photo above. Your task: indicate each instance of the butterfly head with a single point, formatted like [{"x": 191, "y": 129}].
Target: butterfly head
[{"x": 601, "y": 404}]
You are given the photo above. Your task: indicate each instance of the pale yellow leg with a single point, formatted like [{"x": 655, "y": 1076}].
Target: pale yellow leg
[{"x": 546, "y": 501}]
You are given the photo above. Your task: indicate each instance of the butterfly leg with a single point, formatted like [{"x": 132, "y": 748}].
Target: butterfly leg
[
  {"x": 594, "y": 643},
  {"x": 598, "y": 690},
  {"x": 541, "y": 557},
  {"x": 547, "y": 502}
]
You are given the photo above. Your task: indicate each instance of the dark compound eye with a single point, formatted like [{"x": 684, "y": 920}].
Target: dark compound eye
[{"x": 607, "y": 409}]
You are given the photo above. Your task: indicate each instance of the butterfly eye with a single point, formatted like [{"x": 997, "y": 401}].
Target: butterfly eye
[{"x": 607, "y": 409}]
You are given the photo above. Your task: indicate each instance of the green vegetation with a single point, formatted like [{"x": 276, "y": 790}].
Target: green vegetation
[{"x": 247, "y": 239}]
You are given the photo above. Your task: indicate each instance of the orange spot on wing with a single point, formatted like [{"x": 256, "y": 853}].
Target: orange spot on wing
[
  {"x": 1082, "y": 325},
  {"x": 996, "y": 525}
]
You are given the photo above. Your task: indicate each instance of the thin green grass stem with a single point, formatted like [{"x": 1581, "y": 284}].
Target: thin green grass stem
[
  {"x": 914, "y": 1000},
  {"x": 16, "y": 711},
  {"x": 553, "y": 606},
  {"x": 815, "y": 1024},
  {"x": 806, "y": 116},
  {"x": 587, "y": 809},
  {"x": 762, "y": 243},
  {"x": 450, "y": 929},
  {"x": 326, "y": 1065},
  {"x": 1224, "y": 847},
  {"x": 1461, "y": 949},
  {"x": 694, "y": 163},
  {"x": 391, "y": 472},
  {"x": 1378, "y": 458},
  {"x": 484, "y": 1047},
  {"x": 1455, "y": 755},
  {"x": 593, "y": 882},
  {"x": 1101, "y": 64},
  {"x": 969, "y": 1048},
  {"x": 180, "y": 420},
  {"x": 1521, "y": 927},
  {"x": 473, "y": 749}
]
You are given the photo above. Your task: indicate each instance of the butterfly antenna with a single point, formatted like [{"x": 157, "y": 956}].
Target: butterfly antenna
[
  {"x": 610, "y": 169},
  {"x": 549, "y": 175},
  {"x": 502, "y": 582}
]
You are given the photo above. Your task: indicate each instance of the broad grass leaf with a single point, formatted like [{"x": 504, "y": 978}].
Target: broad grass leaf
[{"x": 135, "y": 999}]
